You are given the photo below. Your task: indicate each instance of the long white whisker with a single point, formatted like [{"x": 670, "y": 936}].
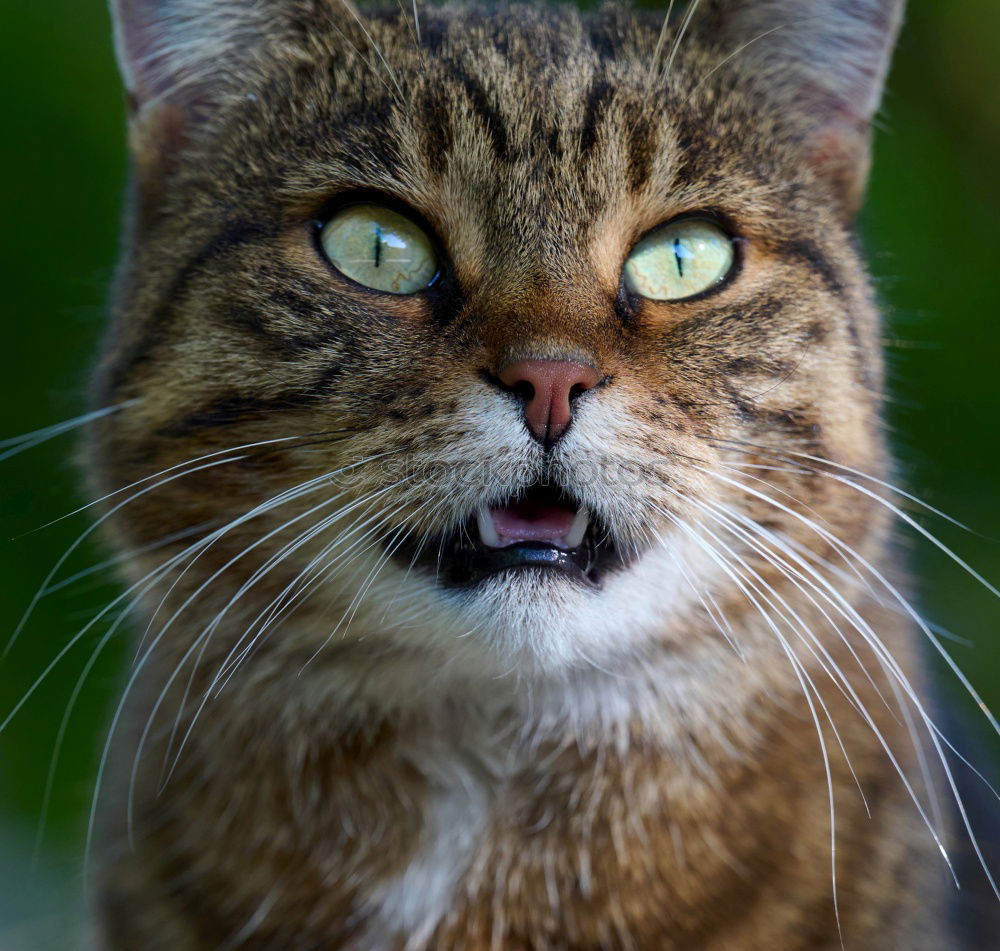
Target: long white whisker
[
  {"x": 143, "y": 583},
  {"x": 805, "y": 682},
  {"x": 205, "y": 636},
  {"x": 348, "y": 615},
  {"x": 427, "y": 517},
  {"x": 287, "y": 495},
  {"x": 660, "y": 40},
  {"x": 269, "y": 614},
  {"x": 106, "y": 639},
  {"x": 680, "y": 36},
  {"x": 831, "y": 596},
  {"x": 116, "y": 717},
  {"x": 243, "y": 448},
  {"x": 804, "y": 633},
  {"x": 16, "y": 444},
  {"x": 701, "y": 82},
  {"x": 907, "y": 607},
  {"x": 933, "y": 733},
  {"x": 371, "y": 40},
  {"x": 793, "y": 456},
  {"x": 86, "y": 534},
  {"x": 284, "y": 553},
  {"x": 310, "y": 486},
  {"x": 124, "y": 556},
  {"x": 886, "y": 748}
]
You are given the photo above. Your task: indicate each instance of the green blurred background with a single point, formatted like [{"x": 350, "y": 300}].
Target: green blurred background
[{"x": 931, "y": 227}]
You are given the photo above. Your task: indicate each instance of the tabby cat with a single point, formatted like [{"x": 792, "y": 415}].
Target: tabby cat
[{"x": 506, "y": 385}]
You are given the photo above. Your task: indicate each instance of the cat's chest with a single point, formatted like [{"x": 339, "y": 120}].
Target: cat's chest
[{"x": 536, "y": 852}]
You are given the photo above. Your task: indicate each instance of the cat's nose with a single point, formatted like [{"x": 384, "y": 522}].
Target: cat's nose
[{"x": 548, "y": 389}]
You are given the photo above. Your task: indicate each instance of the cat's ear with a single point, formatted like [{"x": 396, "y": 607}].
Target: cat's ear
[
  {"x": 172, "y": 55},
  {"x": 177, "y": 54},
  {"x": 825, "y": 59}
]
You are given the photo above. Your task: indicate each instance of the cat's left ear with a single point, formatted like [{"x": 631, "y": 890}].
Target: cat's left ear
[
  {"x": 177, "y": 58},
  {"x": 825, "y": 61}
]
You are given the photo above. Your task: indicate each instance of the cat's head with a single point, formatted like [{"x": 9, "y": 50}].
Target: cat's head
[{"x": 505, "y": 334}]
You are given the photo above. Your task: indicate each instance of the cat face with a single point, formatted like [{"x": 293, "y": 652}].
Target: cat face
[{"x": 505, "y": 343}]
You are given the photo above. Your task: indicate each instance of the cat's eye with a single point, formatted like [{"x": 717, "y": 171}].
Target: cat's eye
[
  {"x": 380, "y": 249},
  {"x": 679, "y": 260}
]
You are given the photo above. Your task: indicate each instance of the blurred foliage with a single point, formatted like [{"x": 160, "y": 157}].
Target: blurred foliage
[{"x": 930, "y": 227}]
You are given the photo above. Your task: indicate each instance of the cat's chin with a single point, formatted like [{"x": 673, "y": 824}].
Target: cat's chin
[{"x": 535, "y": 621}]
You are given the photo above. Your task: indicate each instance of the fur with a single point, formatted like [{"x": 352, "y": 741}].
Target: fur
[{"x": 322, "y": 747}]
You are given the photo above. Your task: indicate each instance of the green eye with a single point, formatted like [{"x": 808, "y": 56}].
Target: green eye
[
  {"x": 680, "y": 260},
  {"x": 379, "y": 248}
]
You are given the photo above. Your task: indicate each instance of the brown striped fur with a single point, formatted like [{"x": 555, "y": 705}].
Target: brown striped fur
[{"x": 597, "y": 770}]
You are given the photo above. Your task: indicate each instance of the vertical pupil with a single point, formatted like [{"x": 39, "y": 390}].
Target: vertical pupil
[
  {"x": 378, "y": 245},
  {"x": 679, "y": 257}
]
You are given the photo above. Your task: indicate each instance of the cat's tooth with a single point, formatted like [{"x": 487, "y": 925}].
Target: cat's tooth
[
  {"x": 574, "y": 537},
  {"x": 487, "y": 532}
]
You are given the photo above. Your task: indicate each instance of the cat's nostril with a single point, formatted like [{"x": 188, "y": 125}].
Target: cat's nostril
[
  {"x": 524, "y": 390},
  {"x": 548, "y": 388}
]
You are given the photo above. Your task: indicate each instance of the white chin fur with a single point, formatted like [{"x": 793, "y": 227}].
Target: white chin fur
[{"x": 533, "y": 623}]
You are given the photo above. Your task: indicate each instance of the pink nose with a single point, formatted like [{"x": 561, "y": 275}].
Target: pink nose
[{"x": 548, "y": 388}]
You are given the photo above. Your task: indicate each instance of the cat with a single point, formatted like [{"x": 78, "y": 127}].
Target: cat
[{"x": 509, "y": 382}]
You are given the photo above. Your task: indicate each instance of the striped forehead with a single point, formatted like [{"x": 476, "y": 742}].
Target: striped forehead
[{"x": 539, "y": 151}]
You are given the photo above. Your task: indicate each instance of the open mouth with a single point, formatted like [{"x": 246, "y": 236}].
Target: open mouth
[{"x": 542, "y": 528}]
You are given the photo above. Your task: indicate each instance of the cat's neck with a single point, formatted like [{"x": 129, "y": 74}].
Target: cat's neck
[{"x": 591, "y": 780}]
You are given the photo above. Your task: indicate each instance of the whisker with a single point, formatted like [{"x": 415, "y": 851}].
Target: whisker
[
  {"x": 380, "y": 563},
  {"x": 416, "y": 22},
  {"x": 805, "y": 683},
  {"x": 144, "y": 583},
  {"x": 864, "y": 629},
  {"x": 116, "y": 717},
  {"x": 268, "y": 615},
  {"x": 418, "y": 550},
  {"x": 321, "y": 437},
  {"x": 680, "y": 36},
  {"x": 106, "y": 639},
  {"x": 660, "y": 40},
  {"x": 793, "y": 456},
  {"x": 207, "y": 632},
  {"x": 80, "y": 540},
  {"x": 933, "y": 732},
  {"x": 371, "y": 40},
  {"x": 124, "y": 556},
  {"x": 882, "y": 580},
  {"x": 230, "y": 662},
  {"x": 827, "y": 663},
  {"x": 92, "y": 528},
  {"x": 298, "y": 491},
  {"x": 17, "y": 444},
  {"x": 701, "y": 82},
  {"x": 287, "y": 495}
]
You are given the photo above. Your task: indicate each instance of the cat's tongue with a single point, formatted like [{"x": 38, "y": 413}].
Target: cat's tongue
[{"x": 532, "y": 519}]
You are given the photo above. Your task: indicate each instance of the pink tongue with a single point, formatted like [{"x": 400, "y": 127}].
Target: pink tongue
[{"x": 528, "y": 521}]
